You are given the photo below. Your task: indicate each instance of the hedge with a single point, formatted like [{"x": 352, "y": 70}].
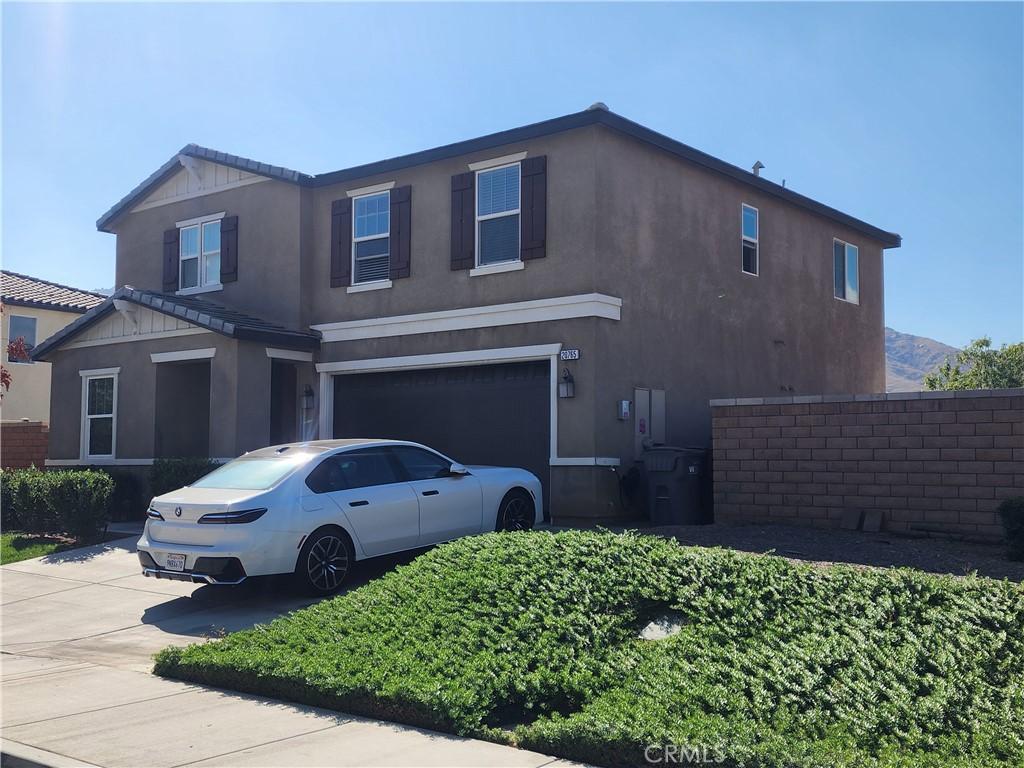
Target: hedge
[
  {"x": 73, "y": 502},
  {"x": 170, "y": 474}
]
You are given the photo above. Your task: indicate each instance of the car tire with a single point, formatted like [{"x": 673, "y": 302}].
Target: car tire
[
  {"x": 324, "y": 561},
  {"x": 516, "y": 511}
]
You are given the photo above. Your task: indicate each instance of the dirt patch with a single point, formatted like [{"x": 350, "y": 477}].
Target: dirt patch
[{"x": 825, "y": 547}]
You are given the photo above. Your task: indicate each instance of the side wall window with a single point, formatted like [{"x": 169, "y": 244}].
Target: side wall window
[
  {"x": 21, "y": 327},
  {"x": 99, "y": 415},
  {"x": 199, "y": 254},
  {"x": 846, "y": 271},
  {"x": 749, "y": 223}
]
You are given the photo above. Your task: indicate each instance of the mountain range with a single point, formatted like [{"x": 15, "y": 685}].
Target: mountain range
[{"x": 908, "y": 358}]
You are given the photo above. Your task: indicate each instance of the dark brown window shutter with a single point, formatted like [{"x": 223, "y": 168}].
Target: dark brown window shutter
[
  {"x": 534, "y": 221},
  {"x": 229, "y": 249},
  {"x": 170, "y": 260},
  {"x": 463, "y": 221},
  {"x": 401, "y": 229},
  {"x": 341, "y": 242}
]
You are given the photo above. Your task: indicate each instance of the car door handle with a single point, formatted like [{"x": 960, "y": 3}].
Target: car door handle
[
  {"x": 431, "y": 493},
  {"x": 360, "y": 503}
]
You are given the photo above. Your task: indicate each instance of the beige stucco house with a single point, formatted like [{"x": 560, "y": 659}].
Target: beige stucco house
[
  {"x": 452, "y": 296},
  {"x": 35, "y": 310}
]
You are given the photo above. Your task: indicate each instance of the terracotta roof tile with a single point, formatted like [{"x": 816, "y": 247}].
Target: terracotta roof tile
[{"x": 25, "y": 291}]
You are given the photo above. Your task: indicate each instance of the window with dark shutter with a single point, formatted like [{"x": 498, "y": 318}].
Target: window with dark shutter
[
  {"x": 401, "y": 227},
  {"x": 229, "y": 249},
  {"x": 463, "y": 234},
  {"x": 341, "y": 242},
  {"x": 170, "y": 283},
  {"x": 534, "y": 205}
]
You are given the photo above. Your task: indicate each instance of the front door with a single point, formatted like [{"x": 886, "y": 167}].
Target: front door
[
  {"x": 450, "y": 505},
  {"x": 380, "y": 506}
]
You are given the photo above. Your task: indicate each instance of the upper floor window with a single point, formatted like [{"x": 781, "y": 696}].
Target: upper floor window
[
  {"x": 749, "y": 222},
  {"x": 846, "y": 271},
  {"x": 199, "y": 252},
  {"x": 21, "y": 327},
  {"x": 371, "y": 238},
  {"x": 497, "y": 215}
]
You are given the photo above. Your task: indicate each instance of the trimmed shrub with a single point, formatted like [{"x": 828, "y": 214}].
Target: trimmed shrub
[
  {"x": 1012, "y": 513},
  {"x": 170, "y": 474},
  {"x": 128, "y": 501},
  {"x": 73, "y": 502}
]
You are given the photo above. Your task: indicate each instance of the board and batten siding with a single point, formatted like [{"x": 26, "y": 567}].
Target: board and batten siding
[
  {"x": 203, "y": 178},
  {"x": 147, "y": 324}
]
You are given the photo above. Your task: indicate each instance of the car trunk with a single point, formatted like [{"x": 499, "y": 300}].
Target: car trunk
[{"x": 180, "y": 517}]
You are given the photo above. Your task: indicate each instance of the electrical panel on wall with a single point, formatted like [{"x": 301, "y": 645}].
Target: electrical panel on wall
[{"x": 648, "y": 419}]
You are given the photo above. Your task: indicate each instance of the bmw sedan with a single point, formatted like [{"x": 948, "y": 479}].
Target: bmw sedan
[{"x": 312, "y": 509}]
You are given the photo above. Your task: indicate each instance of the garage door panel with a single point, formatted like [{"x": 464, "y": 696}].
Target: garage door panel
[{"x": 488, "y": 414}]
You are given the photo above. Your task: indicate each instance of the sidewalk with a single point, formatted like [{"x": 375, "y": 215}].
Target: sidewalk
[{"x": 79, "y": 629}]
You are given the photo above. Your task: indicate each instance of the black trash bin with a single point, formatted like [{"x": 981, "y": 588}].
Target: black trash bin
[{"x": 675, "y": 479}]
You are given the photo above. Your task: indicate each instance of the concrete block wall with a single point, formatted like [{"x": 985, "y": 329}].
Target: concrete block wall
[
  {"x": 23, "y": 444},
  {"x": 929, "y": 461}
]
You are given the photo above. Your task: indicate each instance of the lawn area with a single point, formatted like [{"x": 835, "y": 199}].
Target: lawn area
[
  {"x": 15, "y": 546},
  {"x": 532, "y": 639}
]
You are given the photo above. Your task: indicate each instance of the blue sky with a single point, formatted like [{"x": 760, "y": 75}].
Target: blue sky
[{"x": 907, "y": 115}]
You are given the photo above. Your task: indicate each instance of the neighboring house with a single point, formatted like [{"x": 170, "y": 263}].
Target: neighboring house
[
  {"x": 445, "y": 296},
  {"x": 34, "y": 309}
]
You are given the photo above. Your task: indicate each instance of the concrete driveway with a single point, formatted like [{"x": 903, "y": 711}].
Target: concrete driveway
[{"x": 78, "y": 633}]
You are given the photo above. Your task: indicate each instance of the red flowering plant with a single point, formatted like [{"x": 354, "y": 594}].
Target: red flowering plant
[{"x": 16, "y": 350}]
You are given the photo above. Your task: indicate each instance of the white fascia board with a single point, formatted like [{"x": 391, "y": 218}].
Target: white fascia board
[
  {"x": 537, "y": 310},
  {"x": 100, "y": 372},
  {"x": 372, "y": 189},
  {"x": 185, "y": 354},
  {"x": 494, "y": 162},
  {"x": 289, "y": 354},
  {"x": 442, "y": 359}
]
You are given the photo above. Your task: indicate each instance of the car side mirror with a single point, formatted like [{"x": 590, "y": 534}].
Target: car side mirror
[{"x": 457, "y": 469}]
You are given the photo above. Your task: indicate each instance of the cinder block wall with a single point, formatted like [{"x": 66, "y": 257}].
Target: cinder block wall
[
  {"x": 23, "y": 444},
  {"x": 930, "y": 461}
]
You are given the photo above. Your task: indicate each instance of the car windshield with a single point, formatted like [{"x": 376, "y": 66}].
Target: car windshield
[{"x": 252, "y": 474}]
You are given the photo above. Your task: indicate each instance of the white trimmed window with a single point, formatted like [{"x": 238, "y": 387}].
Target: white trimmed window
[
  {"x": 497, "y": 215},
  {"x": 846, "y": 271},
  {"x": 21, "y": 327},
  {"x": 749, "y": 225},
  {"x": 99, "y": 413},
  {"x": 371, "y": 238},
  {"x": 199, "y": 252}
]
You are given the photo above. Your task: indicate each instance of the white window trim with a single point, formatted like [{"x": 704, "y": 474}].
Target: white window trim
[
  {"x": 489, "y": 216},
  {"x": 368, "y": 238},
  {"x": 370, "y": 285},
  {"x": 185, "y": 354},
  {"x": 498, "y": 268},
  {"x": 11, "y": 337},
  {"x": 289, "y": 354},
  {"x": 756, "y": 239},
  {"x": 84, "y": 429},
  {"x": 846, "y": 244},
  {"x": 495, "y": 162},
  {"x": 198, "y": 222},
  {"x": 370, "y": 190}
]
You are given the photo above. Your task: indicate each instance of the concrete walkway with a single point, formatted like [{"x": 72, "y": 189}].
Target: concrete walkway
[{"x": 78, "y": 633}]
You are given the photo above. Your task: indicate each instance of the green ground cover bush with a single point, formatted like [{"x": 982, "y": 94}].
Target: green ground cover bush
[
  {"x": 532, "y": 638},
  {"x": 76, "y": 502}
]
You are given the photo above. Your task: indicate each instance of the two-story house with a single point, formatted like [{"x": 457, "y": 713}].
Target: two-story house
[{"x": 550, "y": 296}]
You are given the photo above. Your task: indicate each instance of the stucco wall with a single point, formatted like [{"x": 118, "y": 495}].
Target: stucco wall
[
  {"x": 29, "y": 395},
  {"x": 269, "y": 267},
  {"x": 926, "y": 461},
  {"x": 669, "y": 243}
]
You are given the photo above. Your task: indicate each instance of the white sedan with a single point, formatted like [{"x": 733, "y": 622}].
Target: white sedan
[{"x": 315, "y": 508}]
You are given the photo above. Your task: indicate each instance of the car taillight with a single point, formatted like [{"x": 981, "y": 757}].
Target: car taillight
[
  {"x": 152, "y": 514},
  {"x": 228, "y": 518}
]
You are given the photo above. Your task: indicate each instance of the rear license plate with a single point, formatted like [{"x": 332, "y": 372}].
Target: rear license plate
[{"x": 175, "y": 562}]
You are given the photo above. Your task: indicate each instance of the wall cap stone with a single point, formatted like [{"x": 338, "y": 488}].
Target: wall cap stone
[{"x": 867, "y": 397}]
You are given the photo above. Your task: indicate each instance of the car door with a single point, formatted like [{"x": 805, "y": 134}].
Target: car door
[
  {"x": 450, "y": 505},
  {"x": 368, "y": 489}
]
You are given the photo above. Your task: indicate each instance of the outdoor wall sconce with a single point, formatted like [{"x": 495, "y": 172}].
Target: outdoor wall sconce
[
  {"x": 567, "y": 386},
  {"x": 307, "y": 399}
]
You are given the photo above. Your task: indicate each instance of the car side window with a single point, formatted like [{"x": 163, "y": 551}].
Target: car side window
[
  {"x": 327, "y": 477},
  {"x": 420, "y": 464},
  {"x": 367, "y": 467}
]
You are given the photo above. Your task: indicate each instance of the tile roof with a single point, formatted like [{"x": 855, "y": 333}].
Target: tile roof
[
  {"x": 201, "y": 312},
  {"x": 24, "y": 291},
  {"x": 597, "y": 114}
]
